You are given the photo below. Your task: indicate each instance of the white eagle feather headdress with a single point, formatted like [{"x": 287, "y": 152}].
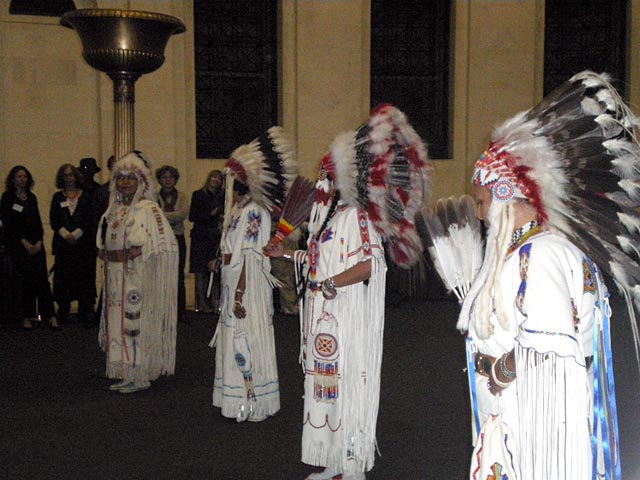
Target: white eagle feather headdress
[
  {"x": 576, "y": 158},
  {"x": 452, "y": 234},
  {"x": 267, "y": 166}
]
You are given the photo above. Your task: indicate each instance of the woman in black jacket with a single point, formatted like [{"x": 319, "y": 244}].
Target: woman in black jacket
[
  {"x": 206, "y": 213},
  {"x": 72, "y": 220},
  {"x": 23, "y": 228}
]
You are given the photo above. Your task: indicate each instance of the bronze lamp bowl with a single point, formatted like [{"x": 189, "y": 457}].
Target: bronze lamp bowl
[
  {"x": 124, "y": 44},
  {"x": 123, "y": 40}
]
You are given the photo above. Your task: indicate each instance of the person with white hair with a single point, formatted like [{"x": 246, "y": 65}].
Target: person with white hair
[
  {"x": 556, "y": 190},
  {"x": 140, "y": 254}
]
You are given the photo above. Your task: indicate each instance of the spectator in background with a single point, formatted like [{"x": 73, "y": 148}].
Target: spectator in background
[
  {"x": 207, "y": 209},
  {"x": 23, "y": 228},
  {"x": 72, "y": 220},
  {"x": 100, "y": 205},
  {"x": 175, "y": 206},
  {"x": 88, "y": 168},
  {"x": 284, "y": 271},
  {"x": 8, "y": 307},
  {"x": 101, "y": 198}
]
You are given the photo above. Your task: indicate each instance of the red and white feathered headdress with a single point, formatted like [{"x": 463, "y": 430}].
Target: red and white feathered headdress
[
  {"x": 383, "y": 168},
  {"x": 576, "y": 158}
]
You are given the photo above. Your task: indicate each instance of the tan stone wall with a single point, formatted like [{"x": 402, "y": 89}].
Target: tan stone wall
[
  {"x": 325, "y": 72},
  {"x": 494, "y": 77}
]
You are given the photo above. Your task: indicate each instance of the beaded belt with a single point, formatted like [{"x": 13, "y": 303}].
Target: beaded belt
[
  {"x": 117, "y": 255},
  {"x": 483, "y": 363}
]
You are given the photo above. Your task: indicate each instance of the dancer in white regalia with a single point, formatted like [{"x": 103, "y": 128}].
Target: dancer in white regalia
[
  {"x": 140, "y": 254},
  {"x": 368, "y": 190},
  {"x": 556, "y": 188},
  {"x": 246, "y": 374}
]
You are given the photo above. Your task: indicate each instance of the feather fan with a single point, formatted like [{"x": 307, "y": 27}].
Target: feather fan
[
  {"x": 296, "y": 209},
  {"x": 452, "y": 235}
]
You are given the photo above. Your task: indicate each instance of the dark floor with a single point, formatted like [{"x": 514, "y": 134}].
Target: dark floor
[{"x": 60, "y": 421}]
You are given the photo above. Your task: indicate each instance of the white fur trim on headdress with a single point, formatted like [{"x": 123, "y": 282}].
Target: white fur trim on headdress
[{"x": 133, "y": 162}]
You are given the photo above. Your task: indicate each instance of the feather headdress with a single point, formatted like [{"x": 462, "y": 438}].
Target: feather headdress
[
  {"x": 452, "y": 234},
  {"x": 267, "y": 166},
  {"x": 133, "y": 162},
  {"x": 383, "y": 169},
  {"x": 576, "y": 158}
]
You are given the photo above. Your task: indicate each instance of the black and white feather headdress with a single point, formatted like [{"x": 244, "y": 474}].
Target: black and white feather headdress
[
  {"x": 267, "y": 166},
  {"x": 575, "y": 156}
]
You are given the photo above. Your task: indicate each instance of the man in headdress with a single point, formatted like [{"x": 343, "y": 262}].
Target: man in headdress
[
  {"x": 357, "y": 190},
  {"x": 140, "y": 253},
  {"x": 537, "y": 315}
]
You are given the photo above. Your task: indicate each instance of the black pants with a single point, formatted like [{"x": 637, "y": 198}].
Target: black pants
[
  {"x": 31, "y": 280},
  {"x": 10, "y": 309},
  {"x": 182, "y": 257},
  {"x": 74, "y": 278}
]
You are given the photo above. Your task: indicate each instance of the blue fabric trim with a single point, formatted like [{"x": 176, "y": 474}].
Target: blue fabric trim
[
  {"x": 605, "y": 414},
  {"x": 471, "y": 375}
]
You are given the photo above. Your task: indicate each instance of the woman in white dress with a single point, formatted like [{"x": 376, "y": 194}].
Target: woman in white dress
[
  {"x": 140, "y": 254},
  {"x": 246, "y": 374}
]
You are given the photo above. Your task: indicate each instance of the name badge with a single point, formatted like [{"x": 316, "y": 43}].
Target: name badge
[
  {"x": 17, "y": 207},
  {"x": 64, "y": 204}
]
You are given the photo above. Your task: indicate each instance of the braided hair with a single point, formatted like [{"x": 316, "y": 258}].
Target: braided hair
[{"x": 330, "y": 213}]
